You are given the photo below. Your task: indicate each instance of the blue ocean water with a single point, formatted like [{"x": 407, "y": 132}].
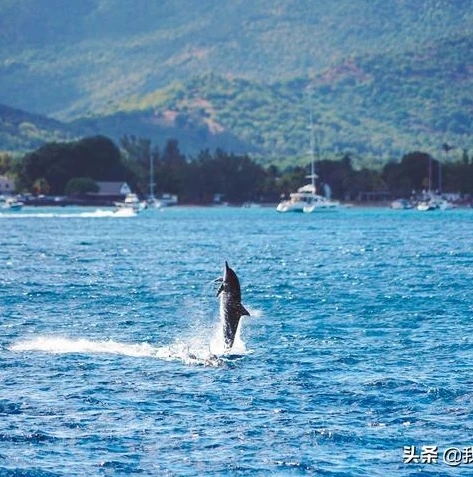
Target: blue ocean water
[{"x": 360, "y": 343}]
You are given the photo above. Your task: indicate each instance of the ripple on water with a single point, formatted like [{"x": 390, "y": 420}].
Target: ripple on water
[{"x": 358, "y": 343}]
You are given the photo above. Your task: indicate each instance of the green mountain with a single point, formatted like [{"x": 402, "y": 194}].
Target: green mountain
[
  {"x": 67, "y": 61},
  {"x": 377, "y": 107},
  {"x": 385, "y": 77}
]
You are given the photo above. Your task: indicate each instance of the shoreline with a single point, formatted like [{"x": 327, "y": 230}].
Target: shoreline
[{"x": 268, "y": 205}]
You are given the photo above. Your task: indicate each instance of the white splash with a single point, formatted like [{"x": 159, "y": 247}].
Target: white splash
[
  {"x": 217, "y": 344},
  {"x": 207, "y": 347},
  {"x": 57, "y": 345},
  {"x": 193, "y": 351}
]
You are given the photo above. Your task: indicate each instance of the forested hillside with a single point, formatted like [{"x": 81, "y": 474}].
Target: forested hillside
[
  {"x": 382, "y": 78},
  {"x": 66, "y": 62},
  {"x": 22, "y": 131},
  {"x": 376, "y": 107}
]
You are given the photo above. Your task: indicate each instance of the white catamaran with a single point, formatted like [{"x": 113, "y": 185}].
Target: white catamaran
[{"x": 306, "y": 198}]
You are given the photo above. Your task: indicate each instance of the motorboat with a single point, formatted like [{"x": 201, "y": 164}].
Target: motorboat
[{"x": 131, "y": 202}]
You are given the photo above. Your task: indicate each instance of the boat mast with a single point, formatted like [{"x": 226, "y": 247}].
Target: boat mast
[
  {"x": 312, "y": 146},
  {"x": 430, "y": 174},
  {"x": 312, "y": 175},
  {"x": 151, "y": 177}
]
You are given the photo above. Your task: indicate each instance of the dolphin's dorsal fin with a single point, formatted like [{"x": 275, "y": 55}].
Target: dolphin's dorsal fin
[{"x": 243, "y": 311}]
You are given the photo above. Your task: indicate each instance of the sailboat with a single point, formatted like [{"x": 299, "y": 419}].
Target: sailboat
[
  {"x": 152, "y": 201},
  {"x": 306, "y": 198},
  {"x": 166, "y": 199},
  {"x": 430, "y": 200}
]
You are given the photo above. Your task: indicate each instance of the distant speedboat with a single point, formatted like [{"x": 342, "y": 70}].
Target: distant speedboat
[{"x": 131, "y": 202}]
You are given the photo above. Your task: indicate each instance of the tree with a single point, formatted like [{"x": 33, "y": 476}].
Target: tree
[
  {"x": 415, "y": 171},
  {"x": 465, "y": 157},
  {"x": 95, "y": 157},
  {"x": 137, "y": 154},
  {"x": 41, "y": 186},
  {"x": 170, "y": 169},
  {"x": 6, "y": 162},
  {"x": 335, "y": 173},
  {"x": 364, "y": 180},
  {"x": 172, "y": 155},
  {"x": 292, "y": 179}
]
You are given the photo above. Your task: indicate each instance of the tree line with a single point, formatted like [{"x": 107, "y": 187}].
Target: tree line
[{"x": 68, "y": 168}]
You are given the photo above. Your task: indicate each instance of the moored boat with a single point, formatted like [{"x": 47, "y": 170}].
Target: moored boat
[
  {"x": 434, "y": 202},
  {"x": 165, "y": 200},
  {"x": 12, "y": 203},
  {"x": 306, "y": 198}
]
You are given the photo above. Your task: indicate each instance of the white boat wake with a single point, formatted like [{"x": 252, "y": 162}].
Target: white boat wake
[{"x": 98, "y": 213}]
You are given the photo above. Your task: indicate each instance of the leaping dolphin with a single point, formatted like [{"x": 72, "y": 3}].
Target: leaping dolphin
[{"x": 231, "y": 309}]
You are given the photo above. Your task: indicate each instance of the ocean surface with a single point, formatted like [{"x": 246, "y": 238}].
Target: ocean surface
[{"x": 357, "y": 359}]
